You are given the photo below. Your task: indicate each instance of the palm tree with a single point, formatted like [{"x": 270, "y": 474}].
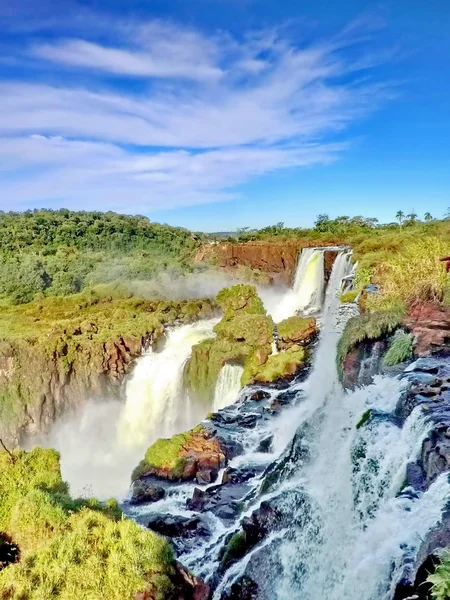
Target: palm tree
[
  {"x": 412, "y": 217},
  {"x": 400, "y": 216},
  {"x": 428, "y": 217}
]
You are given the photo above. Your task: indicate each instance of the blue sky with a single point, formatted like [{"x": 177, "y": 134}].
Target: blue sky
[{"x": 217, "y": 114}]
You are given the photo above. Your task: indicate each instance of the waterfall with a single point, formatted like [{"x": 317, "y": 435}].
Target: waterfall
[
  {"x": 306, "y": 295},
  {"x": 157, "y": 405},
  {"x": 227, "y": 386}
]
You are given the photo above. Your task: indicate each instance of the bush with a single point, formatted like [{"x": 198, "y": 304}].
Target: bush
[
  {"x": 400, "y": 349},
  {"x": 440, "y": 579}
]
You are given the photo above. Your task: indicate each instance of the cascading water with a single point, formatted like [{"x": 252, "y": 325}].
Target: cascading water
[
  {"x": 227, "y": 386},
  {"x": 306, "y": 295},
  {"x": 157, "y": 405}
]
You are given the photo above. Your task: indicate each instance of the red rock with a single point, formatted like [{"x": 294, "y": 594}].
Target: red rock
[
  {"x": 277, "y": 259},
  {"x": 430, "y": 325}
]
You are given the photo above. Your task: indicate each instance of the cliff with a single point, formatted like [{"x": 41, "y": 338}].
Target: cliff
[
  {"x": 277, "y": 259},
  {"x": 55, "y": 354}
]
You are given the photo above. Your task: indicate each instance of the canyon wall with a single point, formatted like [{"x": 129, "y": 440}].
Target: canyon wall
[{"x": 277, "y": 259}]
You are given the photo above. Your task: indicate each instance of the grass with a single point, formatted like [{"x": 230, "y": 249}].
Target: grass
[
  {"x": 400, "y": 349},
  {"x": 368, "y": 326},
  {"x": 235, "y": 549},
  {"x": 349, "y": 296},
  {"x": 72, "y": 549},
  {"x": 277, "y": 366}
]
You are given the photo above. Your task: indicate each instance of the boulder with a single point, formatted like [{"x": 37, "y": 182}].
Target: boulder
[
  {"x": 142, "y": 492},
  {"x": 184, "y": 456},
  {"x": 174, "y": 526},
  {"x": 296, "y": 331}
]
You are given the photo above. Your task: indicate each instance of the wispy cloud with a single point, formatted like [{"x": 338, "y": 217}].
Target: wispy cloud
[{"x": 210, "y": 112}]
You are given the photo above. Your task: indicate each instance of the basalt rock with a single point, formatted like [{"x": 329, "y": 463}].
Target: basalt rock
[
  {"x": 296, "y": 331},
  {"x": 142, "y": 493},
  {"x": 174, "y": 526}
]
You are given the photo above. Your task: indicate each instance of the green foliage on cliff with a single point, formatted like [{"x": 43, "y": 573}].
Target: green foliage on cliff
[
  {"x": 72, "y": 549},
  {"x": 295, "y": 330},
  {"x": 71, "y": 341},
  {"x": 61, "y": 252},
  {"x": 240, "y": 298},
  {"x": 368, "y": 326},
  {"x": 400, "y": 349},
  {"x": 243, "y": 328}
]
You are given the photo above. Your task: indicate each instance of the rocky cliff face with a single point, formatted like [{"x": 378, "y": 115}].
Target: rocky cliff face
[
  {"x": 36, "y": 389},
  {"x": 277, "y": 259}
]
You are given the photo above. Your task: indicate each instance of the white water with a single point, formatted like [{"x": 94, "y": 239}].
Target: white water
[
  {"x": 228, "y": 386},
  {"x": 157, "y": 404},
  {"x": 358, "y": 529},
  {"x": 306, "y": 295}
]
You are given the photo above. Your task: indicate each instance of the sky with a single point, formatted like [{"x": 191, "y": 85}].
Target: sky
[{"x": 219, "y": 114}]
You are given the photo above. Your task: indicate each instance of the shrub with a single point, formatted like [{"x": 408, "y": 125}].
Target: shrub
[
  {"x": 400, "y": 349},
  {"x": 440, "y": 579}
]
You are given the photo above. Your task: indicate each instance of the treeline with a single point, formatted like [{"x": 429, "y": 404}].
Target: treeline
[
  {"x": 61, "y": 252},
  {"x": 344, "y": 228}
]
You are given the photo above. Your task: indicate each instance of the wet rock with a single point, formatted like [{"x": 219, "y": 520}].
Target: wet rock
[
  {"x": 174, "y": 526},
  {"x": 259, "y": 395},
  {"x": 205, "y": 476},
  {"x": 244, "y": 589},
  {"x": 143, "y": 493},
  {"x": 415, "y": 476},
  {"x": 265, "y": 445}
]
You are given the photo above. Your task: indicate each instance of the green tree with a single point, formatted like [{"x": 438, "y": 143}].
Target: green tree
[
  {"x": 400, "y": 216},
  {"x": 428, "y": 217}
]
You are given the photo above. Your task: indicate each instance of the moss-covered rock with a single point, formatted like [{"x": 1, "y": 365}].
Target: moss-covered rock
[
  {"x": 283, "y": 365},
  {"x": 296, "y": 331},
  {"x": 240, "y": 298},
  {"x": 243, "y": 330},
  {"x": 182, "y": 456}
]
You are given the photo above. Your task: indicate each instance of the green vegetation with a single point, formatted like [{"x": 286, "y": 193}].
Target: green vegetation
[
  {"x": 70, "y": 341},
  {"x": 244, "y": 329},
  {"x": 240, "y": 298},
  {"x": 62, "y": 252},
  {"x": 441, "y": 579},
  {"x": 235, "y": 549},
  {"x": 368, "y": 326},
  {"x": 400, "y": 349},
  {"x": 167, "y": 454},
  {"x": 349, "y": 296},
  {"x": 364, "y": 418},
  {"x": 277, "y": 366},
  {"x": 72, "y": 549},
  {"x": 296, "y": 330}
]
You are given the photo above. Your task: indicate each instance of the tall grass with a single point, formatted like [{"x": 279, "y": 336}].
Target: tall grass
[{"x": 73, "y": 549}]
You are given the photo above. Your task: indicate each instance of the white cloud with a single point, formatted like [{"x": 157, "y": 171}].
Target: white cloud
[{"x": 224, "y": 111}]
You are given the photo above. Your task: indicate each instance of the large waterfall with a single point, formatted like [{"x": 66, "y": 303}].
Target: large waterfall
[
  {"x": 157, "y": 405},
  {"x": 343, "y": 527},
  {"x": 306, "y": 296}
]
